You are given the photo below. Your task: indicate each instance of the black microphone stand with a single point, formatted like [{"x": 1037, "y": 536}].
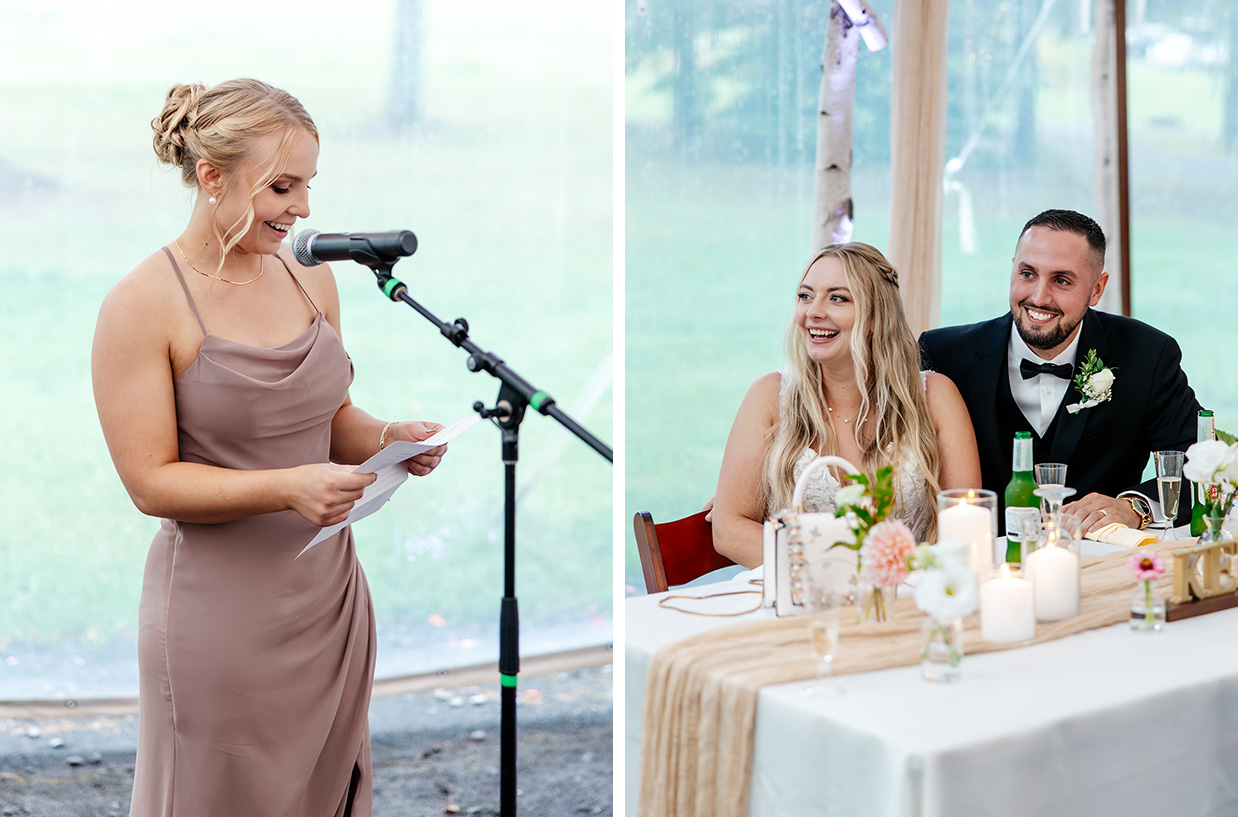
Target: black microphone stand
[{"x": 515, "y": 395}]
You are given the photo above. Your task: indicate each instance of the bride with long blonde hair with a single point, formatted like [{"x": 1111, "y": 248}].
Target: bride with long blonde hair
[{"x": 852, "y": 388}]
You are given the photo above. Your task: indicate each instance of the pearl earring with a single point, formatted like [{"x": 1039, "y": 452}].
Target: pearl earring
[{"x": 212, "y": 200}]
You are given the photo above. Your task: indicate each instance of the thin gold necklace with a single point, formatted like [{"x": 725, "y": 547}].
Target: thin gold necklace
[
  {"x": 261, "y": 269},
  {"x": 830, "y": 409}
]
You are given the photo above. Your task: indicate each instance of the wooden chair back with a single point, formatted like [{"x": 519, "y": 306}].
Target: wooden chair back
[{"x": 676, "y": 552}]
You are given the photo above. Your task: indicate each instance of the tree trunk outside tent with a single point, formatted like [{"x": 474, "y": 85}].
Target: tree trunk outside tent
[{"x": 832, "y": 210}]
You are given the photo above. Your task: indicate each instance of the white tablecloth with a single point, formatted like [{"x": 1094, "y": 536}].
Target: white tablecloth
[{"x": 1106, "y": 722}]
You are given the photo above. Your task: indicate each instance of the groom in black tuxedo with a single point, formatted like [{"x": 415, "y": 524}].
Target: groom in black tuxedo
[{"x": 1016, "y": 374}]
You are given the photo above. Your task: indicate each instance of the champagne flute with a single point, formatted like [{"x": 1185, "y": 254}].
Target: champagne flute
[
  {"x": 824, "y": 622},
  {"x": 1169, "y": 486}
]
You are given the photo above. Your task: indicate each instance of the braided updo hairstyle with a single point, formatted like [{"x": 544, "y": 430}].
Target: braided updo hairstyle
[
  {"x": 887, "y": 371},
  {"x": 220, "y": 124}
]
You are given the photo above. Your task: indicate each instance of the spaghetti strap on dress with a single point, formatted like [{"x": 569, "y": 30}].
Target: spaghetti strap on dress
[{"x": 255, "y": 667}]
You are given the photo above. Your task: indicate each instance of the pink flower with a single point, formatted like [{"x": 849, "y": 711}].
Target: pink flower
[
  {"x": 883, "y": 558},
  {"x": 1146, "y": 565}
]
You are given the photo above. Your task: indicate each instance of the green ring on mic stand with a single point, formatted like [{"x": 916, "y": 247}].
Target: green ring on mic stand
[
  {"x": 390, "y": 287},
  {"x": 536, "y": 400}
]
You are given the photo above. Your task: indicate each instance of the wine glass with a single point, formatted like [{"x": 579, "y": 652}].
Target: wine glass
[
  {"x": 825, "y": 605},
  {"x": 1053, "y": 495},
  {"x": 1049, "y": 474},
  {"x": 1169, "y": 486}
]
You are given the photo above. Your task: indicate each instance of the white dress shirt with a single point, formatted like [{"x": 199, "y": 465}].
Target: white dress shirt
[{"x": 1037, "y": 397}]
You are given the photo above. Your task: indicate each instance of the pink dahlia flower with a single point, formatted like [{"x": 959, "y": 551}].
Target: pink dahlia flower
[
  {"x": 883, "y": 556},
  {"x": 1146, "y": 565}
]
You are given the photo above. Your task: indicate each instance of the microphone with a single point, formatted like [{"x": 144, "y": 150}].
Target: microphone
[{"x": 311, "y": 247}]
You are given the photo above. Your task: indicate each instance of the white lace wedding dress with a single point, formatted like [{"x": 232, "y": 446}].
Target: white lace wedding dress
[{"x": 912, "y": 502}]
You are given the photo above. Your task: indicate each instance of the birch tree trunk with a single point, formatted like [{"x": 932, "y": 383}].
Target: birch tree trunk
[
  {"x": 1229, "y": 112},
  {"x": 1105, "y": 150},
  {"x": 832, "y": 212},
  {"x": 686, "y": 119},
  {"x": 405, "y": 95}
]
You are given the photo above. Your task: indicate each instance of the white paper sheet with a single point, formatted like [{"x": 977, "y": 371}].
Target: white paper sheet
[{"x": 388, "y": 464}]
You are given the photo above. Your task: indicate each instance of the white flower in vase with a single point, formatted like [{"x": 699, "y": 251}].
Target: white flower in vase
[
  {"x": 854, "y": 494},
  {"x": 954, "y": 552},
  {"x": 1211, "y": 461},
  {"x": 947, "y": 593}
]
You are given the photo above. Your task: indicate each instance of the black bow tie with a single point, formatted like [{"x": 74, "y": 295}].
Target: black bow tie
[{"x": 1029, "y": 369}]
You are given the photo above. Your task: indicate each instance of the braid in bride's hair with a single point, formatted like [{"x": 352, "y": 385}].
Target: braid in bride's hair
[{"x": 887, "y": 372}]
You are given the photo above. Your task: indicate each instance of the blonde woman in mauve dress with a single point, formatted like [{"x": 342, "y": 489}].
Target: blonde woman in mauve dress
[{"x": 222, "y": 389}]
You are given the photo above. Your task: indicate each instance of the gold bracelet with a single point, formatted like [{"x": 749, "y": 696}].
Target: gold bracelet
[{"x": 382, "y": 438}]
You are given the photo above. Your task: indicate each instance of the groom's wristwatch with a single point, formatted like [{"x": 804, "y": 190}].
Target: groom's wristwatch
[{"x": 1141, "y": 509}]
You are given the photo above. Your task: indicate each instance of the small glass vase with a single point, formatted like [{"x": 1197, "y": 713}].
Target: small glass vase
[
  {"x": 873, "y": 603},
  {"x": 942, "y": 659},
  {"x": 1147, "y": 609},
  {"x": 1214, "y": 531}
]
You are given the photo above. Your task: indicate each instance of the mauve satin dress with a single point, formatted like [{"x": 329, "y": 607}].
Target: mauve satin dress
[{"x": 255, "y": 667}]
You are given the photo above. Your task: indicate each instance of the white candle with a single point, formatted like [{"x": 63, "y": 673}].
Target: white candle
[
  {"x": 1054, "y": 572},
  {"x": 1006, "y": 611},
  {"x": 972, "y": 524}
]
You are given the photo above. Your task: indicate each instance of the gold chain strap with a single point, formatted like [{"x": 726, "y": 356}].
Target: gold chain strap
[{"x": 663, "y": 602}]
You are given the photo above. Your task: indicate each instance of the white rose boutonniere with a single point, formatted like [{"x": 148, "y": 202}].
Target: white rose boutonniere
[{"x": 1094, "y": 382}]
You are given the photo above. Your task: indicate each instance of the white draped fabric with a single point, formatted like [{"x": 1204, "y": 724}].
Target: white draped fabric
[
  {"x": 1102, "y": 722},
  {"x": 917, "y": 155}
]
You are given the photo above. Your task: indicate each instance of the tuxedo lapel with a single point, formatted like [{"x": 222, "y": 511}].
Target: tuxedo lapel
[
  {"x": 1070, "y": 427},
  {"x": 984, "y": 378}
]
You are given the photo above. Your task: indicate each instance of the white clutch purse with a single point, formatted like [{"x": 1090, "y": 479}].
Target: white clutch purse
[{"x": 799, "y": 547}]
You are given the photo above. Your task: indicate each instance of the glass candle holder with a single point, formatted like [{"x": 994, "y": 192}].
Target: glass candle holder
[
  {"x": 970, "y": 515},
  {"x": 1007, "y": 607},
  {"x": 1052, "y": 562}
]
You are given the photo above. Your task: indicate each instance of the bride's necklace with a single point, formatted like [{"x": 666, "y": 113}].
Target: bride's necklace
[
  {"x": 261, "y": 269},
  {"x": 830, "y": 409}
]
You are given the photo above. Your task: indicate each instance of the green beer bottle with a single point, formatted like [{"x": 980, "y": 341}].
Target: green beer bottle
[
  {"x": 1021, "y": 501},
  {"x": 1206, "y": 430}
]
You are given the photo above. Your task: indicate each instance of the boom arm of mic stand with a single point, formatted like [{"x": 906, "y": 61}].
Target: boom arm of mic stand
[{"x": 479, "y": 360}]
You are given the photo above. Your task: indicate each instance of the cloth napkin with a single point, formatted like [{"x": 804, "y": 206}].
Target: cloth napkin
[{"x": 1115, "y": 533}]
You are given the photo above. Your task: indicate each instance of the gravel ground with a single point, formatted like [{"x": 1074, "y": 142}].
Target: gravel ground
[{"x": 434, "y": 753}]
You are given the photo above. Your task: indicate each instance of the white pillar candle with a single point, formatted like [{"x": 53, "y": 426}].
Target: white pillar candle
[
  {"x": 1006, "y": 609},
  {"x": 1054, "y": 572},
  {"x": 972, "y": 524}
]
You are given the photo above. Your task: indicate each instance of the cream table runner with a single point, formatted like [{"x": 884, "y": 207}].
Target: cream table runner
[{"x": 700, "y": 704}]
